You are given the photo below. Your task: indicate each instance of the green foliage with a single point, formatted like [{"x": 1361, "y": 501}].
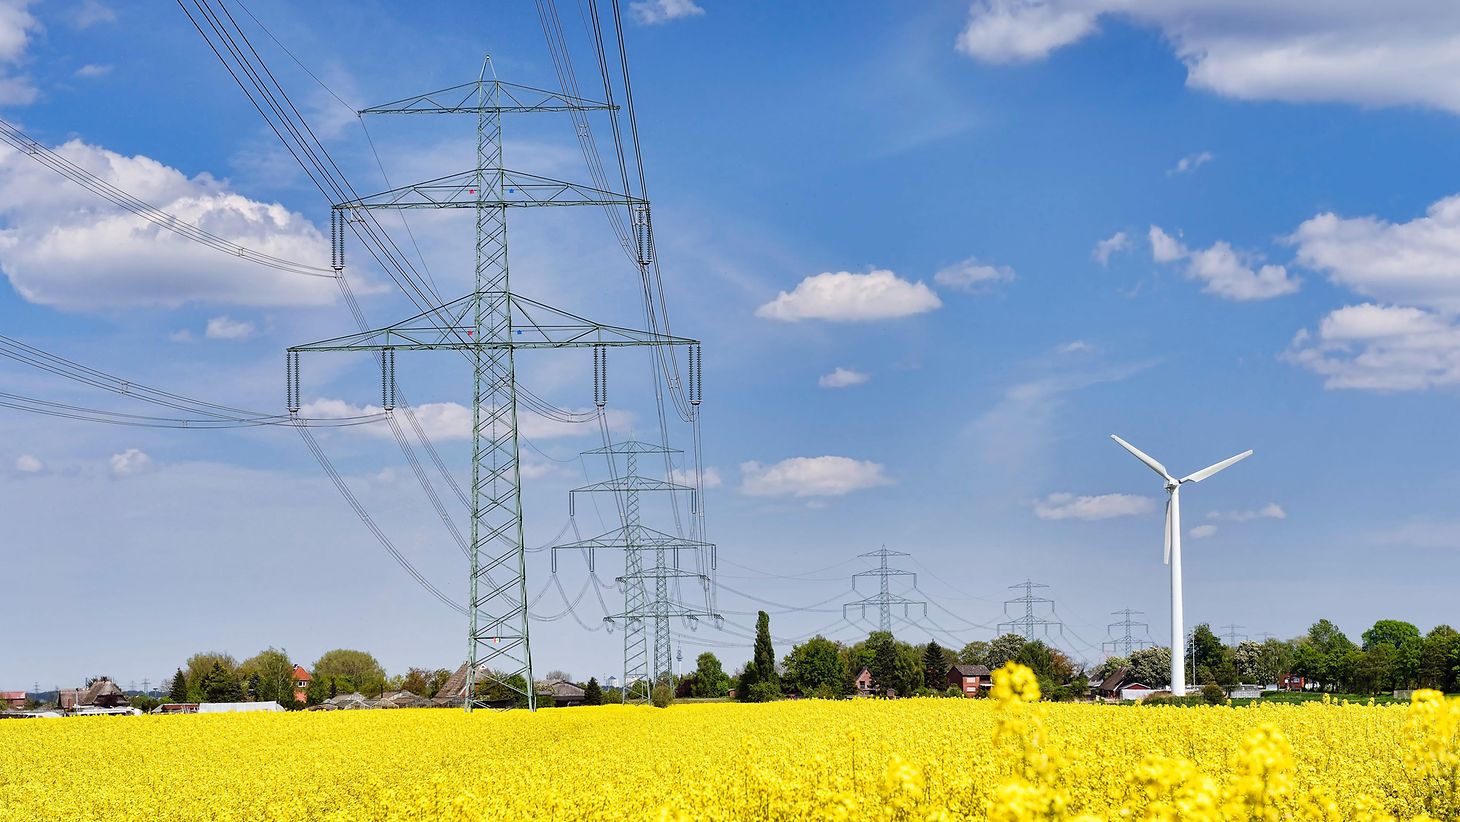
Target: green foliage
[
  {"x": 895, "y": 666},
  {"x": 762, "y": 692},
  {"x": 1003, "y": 649},
  {"x": 144, "y": 703},
  {"x": 179, "y": 690},
  {"x": 1213, "y": 694},
  {"x": 663, "y": 695},
  {"x": 1391, "y": 632},
  {"x": 1262, "y": 663},
  {"x": 270, "y": 675},
  {"x": 502, "y": 691},
  {"x": 354, "y": 670},
  {"x": 953, "y": 693},
  {"x": 975, "y": 653},
  {"x": 1046, "y": 662},
  {"x": 827, "y": 692},
  {"x": 1107, "y": 667},
  {"x": 316, "y": 692},
  {"x": 1151, "y": 666},
  {"x": 762, "y": 667},
  {"x": 813, "y": 665},
  {"x": 221, "y": 685},
  {"x": 710, "y": 680},
  {"x": 438, "y": 679},
  {"x": 416, "y": 680},
  {"x": 935, "y": 667},
  {"x": 198, "y": 667},
  {"x": 592, "y": 692}
]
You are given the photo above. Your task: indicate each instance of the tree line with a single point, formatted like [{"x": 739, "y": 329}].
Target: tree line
[{"x": 1391, "y": 655}]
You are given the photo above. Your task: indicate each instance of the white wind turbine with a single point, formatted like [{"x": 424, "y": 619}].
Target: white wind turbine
[{"x": 1173, "y": 550}]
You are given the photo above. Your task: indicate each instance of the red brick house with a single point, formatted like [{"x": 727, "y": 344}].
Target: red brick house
[
  {"x": 301, "y": 683},
  {"x": 12, "y": 700},
  {"x": 863, "y": 683},
  {"x": 970, "y": 679}
]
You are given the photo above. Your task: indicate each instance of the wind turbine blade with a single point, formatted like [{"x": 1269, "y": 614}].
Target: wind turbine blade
[
  {"x": 1212, "y": 469},
  {"x": 1169, "y": 500},
  {"x": 1144, "y": 457}
]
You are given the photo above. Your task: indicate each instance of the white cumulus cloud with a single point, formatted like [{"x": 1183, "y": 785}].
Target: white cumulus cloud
[
  {"x": 1380, "y": 348},
  {"x": 1400, "y": 52},
  {"x": 1104, "y": 249},
  {"x": 843, "y": 378},
  {"x": 1104, "y": 506},
  {"x": 710, "y": 476},
  {"x": 129, "y": 462},
  {"x": 811, "y": 477},
  {"x": 974, "y": 276},
  {"x": 1223, "y": 271},
  {"x": 16, "y": 26},
  {"x": 1202, "y": 531},
  {"x": 226, "y": 328},
  {"x": 653, "y": 12},
  {"x": 1269, "y": 511},
  {"x": 1192, "y": 162},
  {"x": 842, "y": 296},
  {"x": 29, "y": 464},
  {"x": 64, "y": 247}
]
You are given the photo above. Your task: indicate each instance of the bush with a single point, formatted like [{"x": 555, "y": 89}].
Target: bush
[
  {"x": 763, "y": 692},
  {"x": 663, "y": 695},
  {"x": 1213, "y": 694},
  {"x": 953, "y": 692},
  {"x": 824, "y": 691}
]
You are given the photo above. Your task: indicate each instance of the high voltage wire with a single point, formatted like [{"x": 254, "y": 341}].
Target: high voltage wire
[{"x": 32, "y": 148}]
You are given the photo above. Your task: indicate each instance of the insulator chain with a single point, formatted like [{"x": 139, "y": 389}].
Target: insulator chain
[
  {"x": 337, "y": 240},
  {"x": 387, "y": 379},
  {"x": 600, "y": 376},
  {"x": 644, "y": 234},
  {"x": 291, "y": 381},
  {"x": 696, "y": 375}
]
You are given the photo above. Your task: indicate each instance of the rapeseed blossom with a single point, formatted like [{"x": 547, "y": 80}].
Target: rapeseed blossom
[{"x": 1010, "y": 757}]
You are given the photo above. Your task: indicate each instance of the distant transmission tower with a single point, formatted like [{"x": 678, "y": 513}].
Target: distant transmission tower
[
  {"x": 1231, "y": 633},
  {"x": 884, "y": 600},
  {"x": 1126, "y": 643},
  {"x": 1027, "y": 624},
  {"x": 644, "y": 660},
  {"x": 490, "y": 326}
]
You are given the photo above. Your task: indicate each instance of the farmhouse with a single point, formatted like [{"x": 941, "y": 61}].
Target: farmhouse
[
  {"x": 12, "y": 700},
  {"x": 301, "y": 683},
  {"x": 101, "y": 693},
  {"x": 969, "y": 679},
  {"x": 1121, "y": 685},
  {"x": 863, "y": 683}
]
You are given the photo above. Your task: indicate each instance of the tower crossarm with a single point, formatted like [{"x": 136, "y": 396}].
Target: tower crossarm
[
  {"x": 510, "y": 98},
  {"x": 507, "y": 189},
  {"x": 535, "y": 325}
]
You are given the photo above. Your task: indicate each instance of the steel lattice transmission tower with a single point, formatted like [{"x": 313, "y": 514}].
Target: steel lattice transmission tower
[
  {"x": 1026, "y": 624},
  {"x": 1127, "y": 642},
  {"x": 1231, "y": 632},
  {"x": 884, "y": 600},
  {"x": 489, "y": 326},
  {"x": 647, "y": 613}
]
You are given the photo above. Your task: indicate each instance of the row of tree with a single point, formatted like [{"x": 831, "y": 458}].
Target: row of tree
[
  {"x": 1391, "y": 655},
  {"x": 825, "y": 668},
  {"x": 213, "y": 676}
]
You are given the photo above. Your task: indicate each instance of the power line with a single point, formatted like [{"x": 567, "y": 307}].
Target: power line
[
  {"x": 1029, "y": 623},
  {"x": 1127, "y": 642},
  {"x": 884, "y": 600}
]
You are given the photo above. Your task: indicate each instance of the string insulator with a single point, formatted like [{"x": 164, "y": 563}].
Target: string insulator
[
  {"x": 644, "y": 234},
  {"x": 600, "y": 376},
  {"x": 696, "y": 383},
  {"x": 387, "y": 379},
  {"x": 291, "y": 381}
]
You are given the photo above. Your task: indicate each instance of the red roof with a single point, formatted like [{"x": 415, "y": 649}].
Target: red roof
[
  {"x": 12, "y": 695},
  {"x": 301, "y": 675}
]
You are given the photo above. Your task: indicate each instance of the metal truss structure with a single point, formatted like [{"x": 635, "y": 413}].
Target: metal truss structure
[
  {"x": 884, "y": 600},
  {"x": 490, "y": 326}
]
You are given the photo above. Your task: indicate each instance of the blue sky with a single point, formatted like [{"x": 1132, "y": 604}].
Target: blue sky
[{"x": 954, "y": 246}]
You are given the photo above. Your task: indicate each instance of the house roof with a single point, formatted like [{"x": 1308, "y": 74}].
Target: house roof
[
  {"x": 12, "y": 694},
  {"x": 1115, "y": 679},
  {"x": 565, "y": 689},
  {"x": 301, "y": 675},
  {"x": 865, "y": 670},
  {"x": 970, "y": 670}
]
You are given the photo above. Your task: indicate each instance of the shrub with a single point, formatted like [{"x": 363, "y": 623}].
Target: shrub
[
  {"x": 1213, "y": 694},
  {"x": 663, "y": 695},
  {"x": 763, "y": 692}
]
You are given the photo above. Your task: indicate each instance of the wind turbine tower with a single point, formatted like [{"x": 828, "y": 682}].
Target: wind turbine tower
[{"x": 1173, "y": 549}]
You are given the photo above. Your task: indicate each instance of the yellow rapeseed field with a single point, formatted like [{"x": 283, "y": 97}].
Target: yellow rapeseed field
[{"x": 1007, "y": 757}]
